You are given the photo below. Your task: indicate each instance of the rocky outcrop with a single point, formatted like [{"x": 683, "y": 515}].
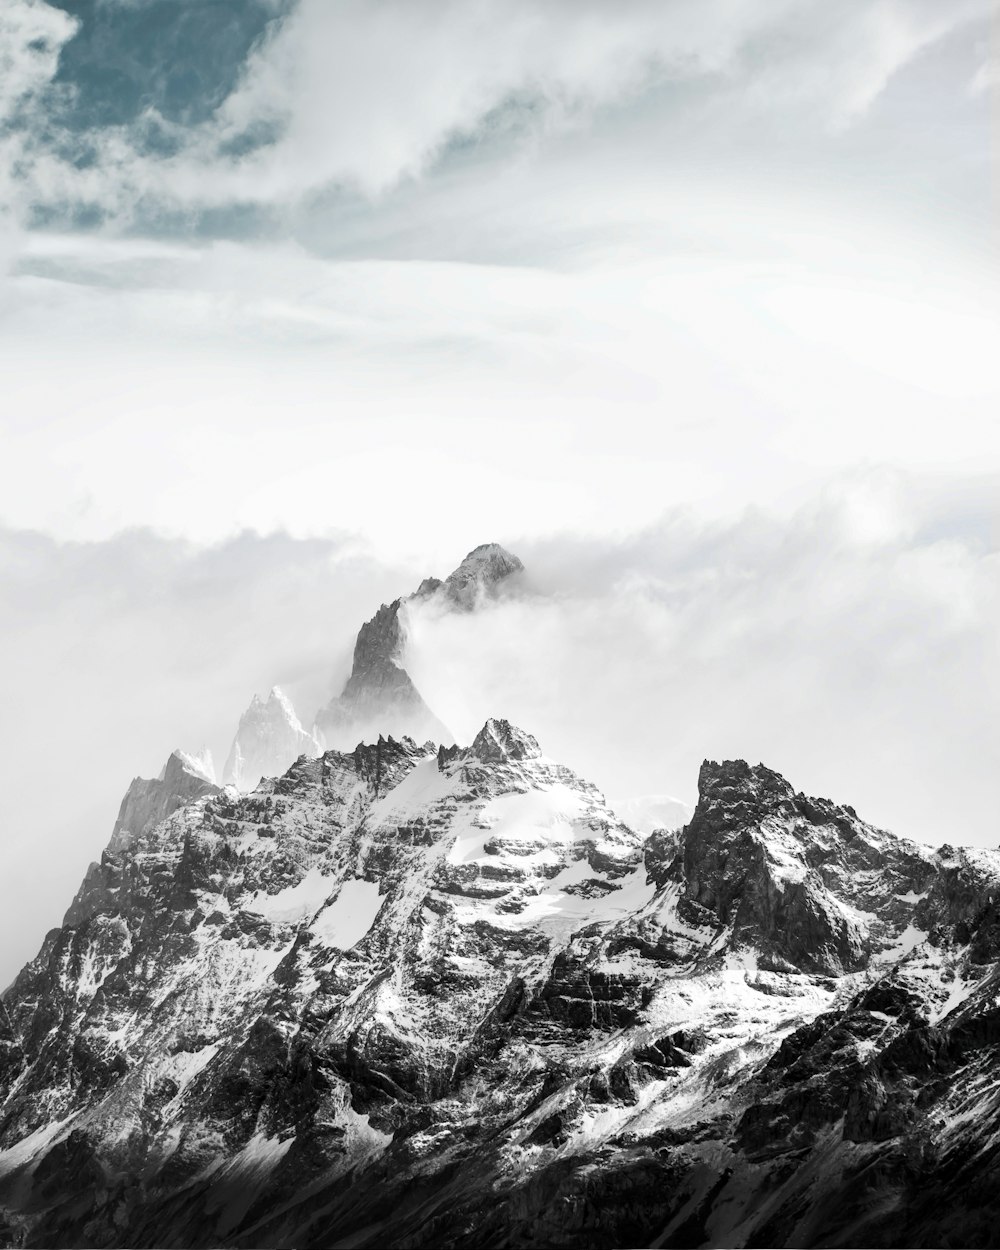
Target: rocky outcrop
[
  {"x": 270, "y": 738},
  {"x": 184, "y": 779},
  {"x": 445, "y": 997},
  {"x": 379, "y": 696},
  {"x": 803, "y": 882},
  {"x": 147, "y": 803},
  {"x": 479, "y": 575},
  {"x": 499, "y": 741}
]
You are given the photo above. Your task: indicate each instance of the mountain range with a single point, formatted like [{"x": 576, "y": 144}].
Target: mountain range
[
  {"x": 379, "y": 695},
  {"x": 411, "y": 993}
]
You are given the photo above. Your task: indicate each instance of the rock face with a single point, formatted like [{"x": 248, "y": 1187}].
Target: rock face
[
  {"x": 269, "y": 740},
  {"x": 147, "y": 803},
  {"x": 414, "y": 997},
  {"x": 479, "y": 575},
  {"x": 380, "y": 697},
  {"x": 183, "y": 779}
]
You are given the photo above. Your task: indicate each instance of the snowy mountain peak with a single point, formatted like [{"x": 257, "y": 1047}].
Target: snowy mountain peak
[
  {"x": 393, "y": 998},
  {"x": 147, "y": 802},
  {"x": 379, "y": 696},
  {"x": 499, "y": 741},
  {"x": 757, "y": 781},
  {"x": 480, "y": 573},
  {"x": 803, "y": 881},
  {"x": 201, "y": 764},
  {"x": 269, "y": 738}
]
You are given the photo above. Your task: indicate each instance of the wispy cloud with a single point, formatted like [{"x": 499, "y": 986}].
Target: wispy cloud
[
  {"x": 365, "y": 93},
  {"x": 851, "y": 645},
  {"x": 723, "y": 380}
]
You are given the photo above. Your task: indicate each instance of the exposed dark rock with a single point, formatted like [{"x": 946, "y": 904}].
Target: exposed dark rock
[
  {"x": 379, "y": 696},
  {"x": 499, "y": 741},
  {"x": 443, "y": 997}
]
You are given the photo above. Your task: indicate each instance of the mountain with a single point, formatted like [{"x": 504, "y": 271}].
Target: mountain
[
  {"x": 414, "y": 997},
  {"x": 147, "y": 803},
  {"x": 379, "y": 696},
  {"x": 269, "y": 740},
  {"x": 183, "y": 778},
  {"x": 479, "y": 575}
]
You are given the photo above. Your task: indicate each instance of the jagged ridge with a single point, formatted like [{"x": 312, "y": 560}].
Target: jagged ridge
[
  {"x": 379, "y": 696},
  {"x": 445, "y": 997}
]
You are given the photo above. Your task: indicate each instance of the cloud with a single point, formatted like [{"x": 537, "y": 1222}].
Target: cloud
[
  {"x": 986, "y": 77},
  {"x": 32, "y": 34},
  {"x": 364, "y": 94},
  {"x": 843, "y": 57},
  {"x": 856, "y": 656},
  {"x": 441, "y": 392}
]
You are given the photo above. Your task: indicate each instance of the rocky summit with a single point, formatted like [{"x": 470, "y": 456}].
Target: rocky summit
[
  {"x": 422, "y": 997},
  {"x": 380, "y": 696},
  {"x": 268, "y": 741}
]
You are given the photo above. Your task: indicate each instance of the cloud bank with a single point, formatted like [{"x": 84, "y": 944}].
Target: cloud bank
[
  {"x": 202, "y": 389},
  {"x": 851, "y": 646}
]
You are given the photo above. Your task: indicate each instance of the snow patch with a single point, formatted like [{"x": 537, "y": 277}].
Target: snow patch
[
  {"x": 245, "y": 1176},
  {"x": 911, "y": 897},
  {"x": 554, "y": 909},
  {"x": 350, "y": 916},
  {"x": 295, "y": 902},
  {"x": 546, "y": 814},
  {"x": 908, "y": 941},
  {"x": 26, "y": 1149},
  {"x": 647, "y": 812},
  {"x": 423, "y": 785}
]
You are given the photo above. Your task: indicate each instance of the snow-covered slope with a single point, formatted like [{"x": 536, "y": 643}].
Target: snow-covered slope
[
  {"x": 270, "y": 738},
  {"x": 446, "y": 997}
]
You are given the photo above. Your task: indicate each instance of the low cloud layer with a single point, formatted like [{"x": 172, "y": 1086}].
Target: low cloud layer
[
  {"x": 851, "y": 647},
  {"x": 204, "y": 389}
]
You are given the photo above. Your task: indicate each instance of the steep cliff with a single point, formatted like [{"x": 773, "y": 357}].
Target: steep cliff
[{"x": 379, "y": 696}]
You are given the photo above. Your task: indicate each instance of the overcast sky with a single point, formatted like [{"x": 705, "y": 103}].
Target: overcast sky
[{"x": 694, "y": 305}]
